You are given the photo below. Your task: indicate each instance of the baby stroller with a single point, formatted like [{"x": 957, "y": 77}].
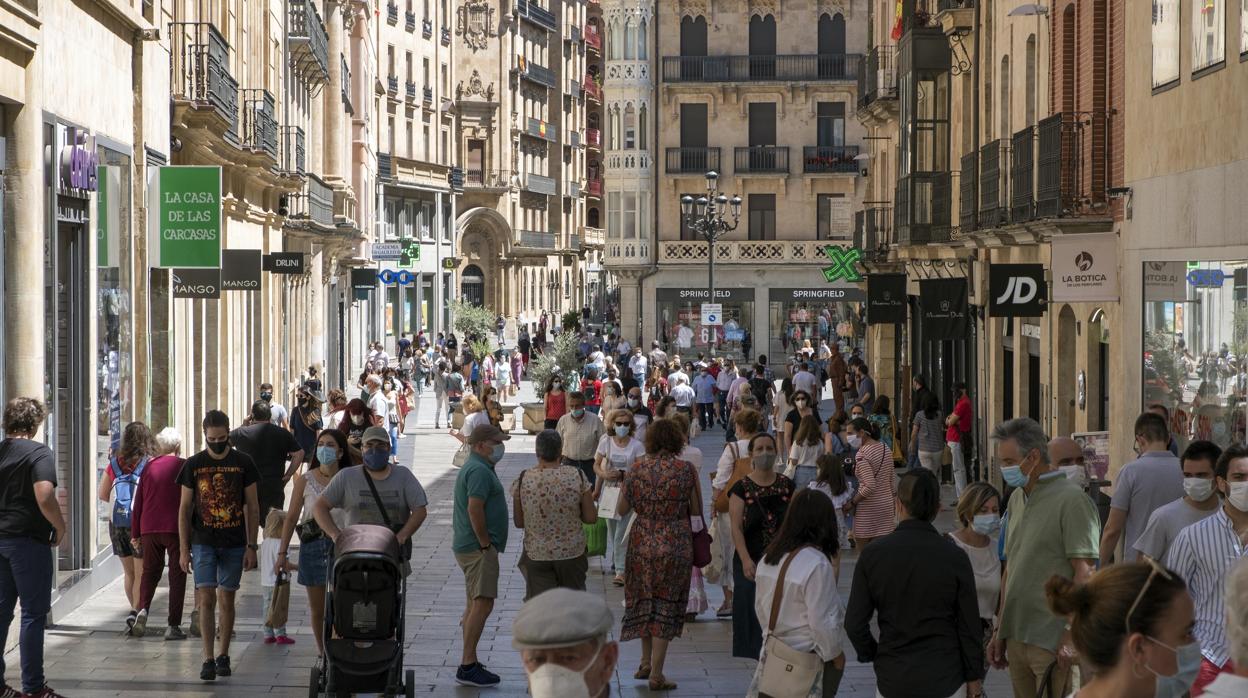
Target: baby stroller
[{"x": 364, "y": 618}]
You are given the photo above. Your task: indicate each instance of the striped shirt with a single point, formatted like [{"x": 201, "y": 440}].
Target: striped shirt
[
  {"x": 1202, "y": 554},
  {"x": 875, "y": 514}
]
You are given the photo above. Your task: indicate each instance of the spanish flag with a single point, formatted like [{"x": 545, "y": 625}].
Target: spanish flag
[{"x": 897, "y": 25}]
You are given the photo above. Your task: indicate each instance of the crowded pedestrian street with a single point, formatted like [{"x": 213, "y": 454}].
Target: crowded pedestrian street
[{"x": 89, "y": 655}]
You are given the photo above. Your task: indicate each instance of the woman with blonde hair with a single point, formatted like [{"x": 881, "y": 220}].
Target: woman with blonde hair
[
  {"x": 474, "y": 416},
  {"x": 617, "y": 450}
]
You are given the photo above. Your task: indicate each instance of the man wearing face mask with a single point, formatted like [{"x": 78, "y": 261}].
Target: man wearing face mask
[
  {"x": 1204, "y": 553},
  {"x": 269, "y": 446},
  {"x": 1198, "y": 502},
  {"x": 278, "y": 414},
  {"x": 479, "y": 525},
  {"x": 1053, "y": 529},
  {"x": 562, "y": 638},
  {"x": 642, "y": 416},
  {"x": 580, "y": 430},
  {"x": 1143, "y": 485}
]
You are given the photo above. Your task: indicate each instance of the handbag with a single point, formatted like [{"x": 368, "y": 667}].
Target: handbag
[
  {"x": 608, "y": 502},
  {"x": 595, "y": 538},
  {"x": 405, "y": 551},
  {"x": 461, "y": 456},
  {"x": 701, "y": 545},
  {"x": 787, "y": 673},
  {"x": 713, "y": 570},
  {"x": 279, "y": 604},
  {"x": 1047, "y": 689},
  {"x": 309, "y": 531}
]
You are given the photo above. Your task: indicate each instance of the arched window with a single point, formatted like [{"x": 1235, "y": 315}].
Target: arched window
[
  {"x": 831, "y": 34},
  {"x": 630, "y": 128},
  {"x": 641, "y": 128},
  {"x": 613, "y": 142},
  {"x": 641, "y": 41},
  {"x": 630, "y": 40},
  {"x": 615, "y": 41}
]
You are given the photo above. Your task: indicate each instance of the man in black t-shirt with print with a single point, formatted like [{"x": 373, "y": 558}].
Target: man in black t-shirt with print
[
  {"x": 217, "y": 523},
  {"x": 30, "y": 528},
  {"x": 269, "y": 446}
]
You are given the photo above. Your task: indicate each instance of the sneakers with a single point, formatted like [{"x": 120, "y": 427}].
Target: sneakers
[
  {"x": 139, "y": 626},
  {"x": 475, "y": 675},
  {"x": 7, "y": 691},
  {"x": 223, "y": 665},
  {"x": 269, "y": 640},
  {"x": 208, "y": 672},
  {"x": 195, "y": 623},
  {"x": 130, "y": 619},
  {"x": 45, "y": 692},
  {"x": 285, "y": 640},
  {"x": 174, "y": 632}
]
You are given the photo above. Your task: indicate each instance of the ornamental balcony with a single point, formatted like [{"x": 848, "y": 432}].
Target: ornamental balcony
[
  {"x": 697, "y": 161},
  {"x": 593, "y": 138},
  {"x": 409, "y": 21},
  {"x": 426, "y": 28},
  {"x": 410, "y": 91},
  {"x": 487, "y": 179},
  {"x": 427, "y": 95},
  {"x": 921, "y": 208},
  {"x": 313, "y": 205},
  {"x": 446, "y": 36},
  {"x": 877, "y": 82},
  {"x": 593, "y": 237},
  {"x": 293, "y": 158},
  {"x": 994, "y": 184},
  {"x": 763, "y": 159},
  {"x": 308, "y": 42},
  {"x": 791, "y": 68},
  {"x": 534, "y": 13},
  {"x": 535, "y": 73},
  {"x": 259, "y": 132},
  {"x": 592, "y": 89},
  {"x": 539, "y": 184},
  {"x": 537, "y": 239},
  {"x": 744, "y": 251},
  {"x": 593, "y": 39},
  {"x": 594, "y": 188},
  {"x": 392, "y": 12},
  {"x": 200, "y": 74}
]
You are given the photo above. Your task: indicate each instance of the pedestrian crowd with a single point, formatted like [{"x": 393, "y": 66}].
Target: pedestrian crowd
[{"x": 1149, "y": 599}]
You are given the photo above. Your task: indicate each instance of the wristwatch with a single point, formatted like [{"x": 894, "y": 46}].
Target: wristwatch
[
  {"x": 486, "y": 547},
  {"x": 253, "y": 547}
]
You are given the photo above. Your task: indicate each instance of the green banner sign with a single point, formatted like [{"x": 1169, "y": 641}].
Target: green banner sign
[
  {"x": 184, "y": 214},
  {"x": 844, "y": 264},
  {"x": 409, "y": 252}
]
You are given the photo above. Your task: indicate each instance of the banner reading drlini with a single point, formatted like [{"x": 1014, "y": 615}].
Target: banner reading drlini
[{"x": 184, "y": 217}]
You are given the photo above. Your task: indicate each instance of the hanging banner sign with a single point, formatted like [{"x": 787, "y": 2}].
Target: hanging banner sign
[
  {"x": 943, "y": 308},
  {"x": 196, "y": 283},
  {"x": 1016, "y": 290},
  {"x": 886, "y": 299},
  {"x": 450, "y": 263},
  {"x": 108, "y": 216},
  {"x": 363, "y": 279},
  {"x": 284, "y": 262},
  {"x": 184, "y": 217},
  {"x": 386, "y": 251},
  {"x": 240, "y": 270},
  {"x": 1085, "y": 267},
  {"x": 1165, "y": 281}
]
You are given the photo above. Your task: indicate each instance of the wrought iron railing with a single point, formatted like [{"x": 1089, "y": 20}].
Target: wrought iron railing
[
  {"x": 537, "y": 239},
  {"x": 392, "y": 13},
  {"x": 346, "y": 85},
  {"x": 409, "y": 21},
  {"x": 535, "y": 13},
  {"x": 540, "y": 184},
  {"x": 446, "y": 36},
  {"x": 427, "y": 94},
  {"x": 593, "y": 39},
  {"x": 968, "y": 192},
  {"x": 539, "y": 129},
  {"x": 200, "y": 70},
  {"x": 692, "y": 160},
  {"x": 761, "y": 159},
  {"x": 879, "y": 226},
  {"x": 594, "y": 188},
  {"x": 593, "y": 137},
  {"x": 878, "y": 79},
  {"x": 822, "y": 159},
  {"x": 410, "y": 91},
  {"x": 259, "y": 122},
  {"x": 993, "y": 184},
  {"x": 921, "y": 208},
  {"x": 486, "y": 179},
  {"x": 426, "y": 28},
  {"x": 592, "y": 89},
  {"x": 293, "y": 159},
  {"x": 1023, "y": 175},
  {"x": 385, "y": 166},
  {"x": 761, "y": 68},
  {"x": 308, "y": 42},
  {"x": 315, "y": 204},
  {"x": 537, "y": 73}
]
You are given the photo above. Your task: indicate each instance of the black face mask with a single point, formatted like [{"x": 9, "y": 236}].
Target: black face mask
[
  {"x": 218, "y": 447},
  {"x": 266, "y": 396}
]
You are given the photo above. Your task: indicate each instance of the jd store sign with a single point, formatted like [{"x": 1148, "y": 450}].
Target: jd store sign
[{"x": 1016, "y": 290}]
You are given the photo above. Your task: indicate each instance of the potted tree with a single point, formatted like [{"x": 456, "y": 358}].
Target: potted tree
[
  {"x": 475, "y": 324},
  {"x": 561, "y": 359}
]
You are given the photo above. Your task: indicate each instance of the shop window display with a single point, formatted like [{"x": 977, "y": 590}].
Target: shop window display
[
  {"x": 1196, "y": 348},
  {"x": 794, "y": 323},
  {"x": 681, "y": 330}
]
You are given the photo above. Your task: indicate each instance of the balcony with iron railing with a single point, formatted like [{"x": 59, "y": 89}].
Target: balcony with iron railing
[
  {"x": 426, "y": 95},
  {"x": 593, "y": 39},
  {"x": 539, "y": 184},
  {"x": 1023, "y": 175},
  {"x": 259, "y": 123},
  {"x": 994, "y": 158},
  {"x": 574, "y": 241},
  {"x": 593, "y": 187},
  {"x": 1073, "y": 165},
  {"x": 762, "y": 159},
  {"x": 837, "y": 159},
  {"x": 968, "y": 192},
  {"x": 878, "y": 78},
  {"x": 791, "y": 68},
  {"x": 200, "y": 73},
  {"x": 293, "y": 156},
  {"x": 385, "y": 166},
  {"x": 574, "y": 139},
  {"x": 308, "y": 42},
  {"x": 592, "y": 89},
  {"x": 535, "y": 73},
  {"x": 921, "y": 208},
  {"x": 446, "y": 36},
  {"x": 486, "y": 179},
  {"x": 536, "y": 128},
  {"x": 530, "y": 11},
  {"x": 409, "y": 21},
  {"x": 573, "y": 189},
  {"x": 697, "y": 161},
  {"x": 426, "y": 28},
  {"x": 878, "y": 222},
  {"x": 392, "y": 12},
  {"x": 537, "y": 239},
  {"x": 392, "y": 86},
  {"x": 346, "y": 85},
  {"x": 410, "y": 90},
  {"x": 315, "y": 204}
]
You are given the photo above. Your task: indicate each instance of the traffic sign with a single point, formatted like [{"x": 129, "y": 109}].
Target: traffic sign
[
  {"x": 387, "y": 251},
  {"x": 712, "y": 313},
  {"x": 409, "y": 252}
]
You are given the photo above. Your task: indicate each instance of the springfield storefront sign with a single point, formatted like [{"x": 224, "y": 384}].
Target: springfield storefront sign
[
  {"x": 185, "y": 231},
  {"x": 1085, "y": 267}
]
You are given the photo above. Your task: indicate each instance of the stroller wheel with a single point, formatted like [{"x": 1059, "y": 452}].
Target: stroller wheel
[
  {"x": 314, "y": 685},
  {"x": 409, "y": 684}
]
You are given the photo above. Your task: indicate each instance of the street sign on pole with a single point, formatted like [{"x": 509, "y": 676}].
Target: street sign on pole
[{"x": 712, "y": 314}]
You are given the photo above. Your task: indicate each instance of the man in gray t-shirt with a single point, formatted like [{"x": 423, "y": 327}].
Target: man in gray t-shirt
[
  {"x": 1143, "y": 486},
  {"x": 1199, "y": 501}
]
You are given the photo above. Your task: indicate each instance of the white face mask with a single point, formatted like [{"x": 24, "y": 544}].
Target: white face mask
[
  {"x": 552, "y": 680},
  {"x": 1198, "y": 488},
  {"x": 855, "y": 441},
  {"x": 1076, "y": 474},
  {"x": 1238, "y": 495}
]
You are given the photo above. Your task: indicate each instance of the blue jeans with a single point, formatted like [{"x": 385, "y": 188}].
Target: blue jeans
[
  {"x": 619, "y": 544},
  {"x": 394, "y": 440},
  {"x": 722, "y": 398},
  {"x": 26, "y": 574},
  {"x": 217, "y": 567}
]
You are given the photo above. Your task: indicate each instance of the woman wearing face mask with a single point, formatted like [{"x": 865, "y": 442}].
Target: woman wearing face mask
[
  {"x": 979, "y": 512},
  {"x": 493, "y": 409},
  {"x": 872, "y": 505},
  {"x": 358, "y": 418},
  {"x": 806, "y": 448},
  {"x": 803, "y": 406},
  {"x": 391, "y": 396},
  {"x": 656, "y": 387},
  {"x": 756, "y": 507},
  {"x": 315, "y": 548},
  {"x": 1133, "y": 624},
  {"x": 617, "y": 451},
  {"x": 556, "y": 400},
  {"x": 611, "y": 397}
]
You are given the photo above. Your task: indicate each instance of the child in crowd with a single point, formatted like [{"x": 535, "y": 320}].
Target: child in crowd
[
  {"x": 268, "y": 576},
  {"x": 832, "y": 482}
]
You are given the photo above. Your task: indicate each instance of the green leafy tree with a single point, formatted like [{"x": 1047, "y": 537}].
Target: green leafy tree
[
  {"x": 560, "y": 358},
  {"x": 475, "y": 325},
  {"x": 571, "y": 321}
]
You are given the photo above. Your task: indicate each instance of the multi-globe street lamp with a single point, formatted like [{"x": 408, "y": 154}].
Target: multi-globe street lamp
[{"x": 705, "y": 216}]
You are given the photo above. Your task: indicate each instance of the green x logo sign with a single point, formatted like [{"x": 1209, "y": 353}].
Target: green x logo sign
[{"x": 843, "y": 266}]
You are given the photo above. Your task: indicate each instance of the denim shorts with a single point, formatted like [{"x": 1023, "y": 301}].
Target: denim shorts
[
  {"x": 314, "y": 560},
  {"x": 220, "y": 568}
]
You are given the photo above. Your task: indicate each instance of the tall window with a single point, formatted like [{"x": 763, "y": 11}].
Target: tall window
[
  {"x": 613, "y": 214},
  {"x": 630, "y": 128},
  {"x": 1166, "y": 41},
  {"x": 641, "y": 42},
  {"x": 762, "y": 216},
  {"x": 1208, "y": 33},
  {"x": 1005, "y": 98},
  {"x": 693, "y": 36},
  {"x": 1031, "y": 80},
  {"x": 613, "y": 132},
  {"x": 630, "y": 215},
  {"x": 630, "y": 40},
  {"x": 641, "y": 125},
  {"x": 834, "y": 217},
  {"x": 831, "y": 124},
  {"x": 615, "y": 41},
  {"x": 391, "y": 214}
]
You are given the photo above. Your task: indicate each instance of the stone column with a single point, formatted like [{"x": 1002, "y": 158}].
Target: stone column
[
  {"x": 24, "y": 247},
  {"x": 630, "y": 306},
  {"x": 335, "y": 127}
]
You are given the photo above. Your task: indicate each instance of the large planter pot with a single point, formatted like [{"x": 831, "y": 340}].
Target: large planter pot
[
  {"x": 457, "y": 417},
  {"x": 509, "y": 417},
  {"x": 534, "y": 416}
]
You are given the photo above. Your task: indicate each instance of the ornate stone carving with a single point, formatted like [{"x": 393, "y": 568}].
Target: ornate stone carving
[
  {"x": 695, "y": 8},
  {"x": 764, "y": 8},
  {"x": 832, "y": 7},
  {"x": 475, "y": 88},
  {"x": 476, "y": 24}
]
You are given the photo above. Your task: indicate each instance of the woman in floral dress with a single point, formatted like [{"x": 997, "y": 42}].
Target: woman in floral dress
[{"x": 663, "y": 492}]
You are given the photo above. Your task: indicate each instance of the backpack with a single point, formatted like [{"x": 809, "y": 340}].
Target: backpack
[
  {"x": 124, "y": 487},
  {"x": 741, "y": 465}
]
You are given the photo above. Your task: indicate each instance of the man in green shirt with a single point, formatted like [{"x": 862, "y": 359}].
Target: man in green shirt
[
  {"x": 479, "y": 534},
  {"x": 1057, "y": 532}
]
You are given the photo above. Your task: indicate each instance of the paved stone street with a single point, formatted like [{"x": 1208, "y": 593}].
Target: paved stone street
[{"x": 88, "y": 655}]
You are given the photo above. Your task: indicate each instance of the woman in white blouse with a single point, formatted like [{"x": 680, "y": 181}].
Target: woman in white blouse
[
  {"x": 810, "y": 613},
  {"x": 979, "y": 512}
]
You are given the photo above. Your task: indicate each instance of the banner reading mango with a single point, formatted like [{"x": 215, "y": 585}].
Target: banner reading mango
[{"x": 184, "y": 228}]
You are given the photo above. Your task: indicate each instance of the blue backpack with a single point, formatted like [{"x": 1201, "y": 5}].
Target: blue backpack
[{"x": 124, "y": 488}]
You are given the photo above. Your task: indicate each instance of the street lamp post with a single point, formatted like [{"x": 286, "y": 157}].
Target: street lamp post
[{"x": 706, "y": 217}]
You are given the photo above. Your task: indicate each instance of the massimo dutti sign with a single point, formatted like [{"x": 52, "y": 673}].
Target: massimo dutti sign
[
  {"x": 1085, "y": 267},
  {"x": 943, "y": 309},
  {"x": 196, "y": 283},
  {"x": 886, "y": 299}
]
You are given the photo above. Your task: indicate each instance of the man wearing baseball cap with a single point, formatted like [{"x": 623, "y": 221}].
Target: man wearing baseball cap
[
  {"x": 479, "y": 526},
  {"x": 562, "y": 638}
]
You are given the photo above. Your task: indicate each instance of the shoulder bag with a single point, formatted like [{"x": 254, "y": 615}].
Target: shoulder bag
[
  {"x": 405, "y": 550},
  {"x": 787, "y": 673}
]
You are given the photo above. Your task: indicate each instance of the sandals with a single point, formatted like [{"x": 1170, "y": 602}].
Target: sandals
[
  {"x": 618, "y": 581},
  {"x": 662, "y": 685},
  {"x": 643, "y": 672}
]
